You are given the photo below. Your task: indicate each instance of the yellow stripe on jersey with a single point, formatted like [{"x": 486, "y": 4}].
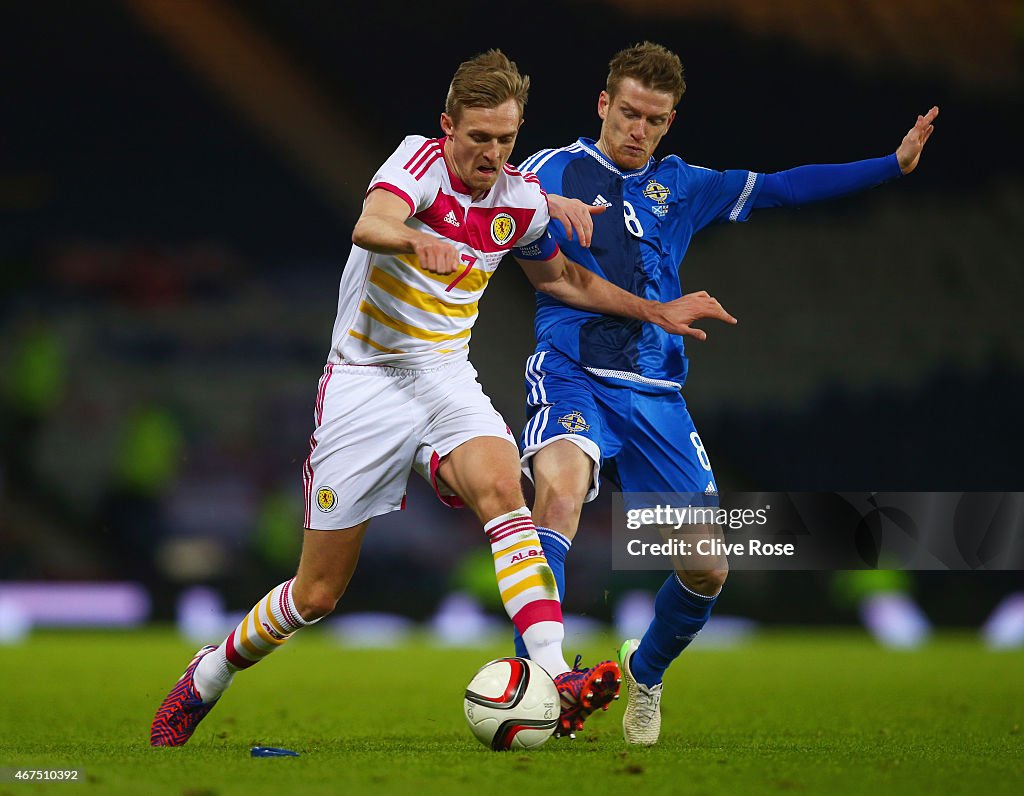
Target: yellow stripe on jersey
[
  {"x": 419, "y": 299},
  {"x": 377, "y": 345},
  {"x": 472, "y": 282},
  {"x": 412, "y": 331}
]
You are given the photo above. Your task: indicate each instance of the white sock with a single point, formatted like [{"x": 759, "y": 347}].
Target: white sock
[
  {"x": 543, "y": 641},
  {"x": 213, "y": 675}
]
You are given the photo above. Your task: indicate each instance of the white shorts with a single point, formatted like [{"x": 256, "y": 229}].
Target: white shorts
[{"x": 375, "y": 424}]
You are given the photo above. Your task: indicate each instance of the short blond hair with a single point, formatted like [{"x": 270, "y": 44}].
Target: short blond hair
[
  {"x": 486, "y": 81},
  {"x": 651, "y": 65}
]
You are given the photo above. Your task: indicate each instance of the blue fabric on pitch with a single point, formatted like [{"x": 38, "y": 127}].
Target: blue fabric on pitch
[
  {"x": 555, "y": 548},
  {"x": 679, "y": 614}
]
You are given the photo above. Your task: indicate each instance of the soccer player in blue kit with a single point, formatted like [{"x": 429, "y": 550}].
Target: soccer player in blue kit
[{"x": 604, "y": 393}]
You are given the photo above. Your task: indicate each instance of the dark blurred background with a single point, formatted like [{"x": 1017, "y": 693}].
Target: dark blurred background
[{"x": 178, "y": 185}]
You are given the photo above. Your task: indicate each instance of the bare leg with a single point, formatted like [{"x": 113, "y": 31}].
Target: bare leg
[
  {"x": 328, "y": 561},
  {"x": 562, "y": 474}
]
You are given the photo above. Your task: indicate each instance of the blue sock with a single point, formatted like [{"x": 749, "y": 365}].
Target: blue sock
[
  {"x": 555, "y": 547},
  {"x": 679, "y": 614}
]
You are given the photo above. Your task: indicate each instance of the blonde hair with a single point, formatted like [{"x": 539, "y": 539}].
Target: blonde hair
[
  {"x": 486, "y": 81},
  {"x": 651, "y": 65}
]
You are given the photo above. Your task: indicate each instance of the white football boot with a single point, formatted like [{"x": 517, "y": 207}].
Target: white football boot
[{"x": 641, "y": 723}]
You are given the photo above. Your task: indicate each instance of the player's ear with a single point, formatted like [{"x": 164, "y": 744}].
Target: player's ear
[
  {"x": 447, "y": 124},
  {"x": 671, "y": 118},
  {"x": 603, "y": 101}
]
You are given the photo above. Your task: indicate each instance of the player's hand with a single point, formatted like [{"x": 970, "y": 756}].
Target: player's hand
[
  {"x": 575, "y": 216},
  {"x": 909, "y": 151},
  {"x": 436, "y": 256},
  {"x": 676, "y": 316}
]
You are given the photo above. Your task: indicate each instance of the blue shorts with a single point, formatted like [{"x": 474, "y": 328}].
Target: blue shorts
[{"x": 641, "y": 441}]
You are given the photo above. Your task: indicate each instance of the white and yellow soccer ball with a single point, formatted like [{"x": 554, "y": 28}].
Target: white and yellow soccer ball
[{"x": 511, "y": 703}]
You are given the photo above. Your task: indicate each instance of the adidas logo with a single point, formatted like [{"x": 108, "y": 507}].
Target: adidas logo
[
  {"x": 600, "y": 201},
  {"x": 712, "y": 489},
  {"x": 451, "y": 219}
]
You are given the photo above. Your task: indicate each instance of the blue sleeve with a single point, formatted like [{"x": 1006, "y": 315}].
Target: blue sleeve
[
  {"x": 806, "y": 184},
  {"x": 720, "y": 195}
]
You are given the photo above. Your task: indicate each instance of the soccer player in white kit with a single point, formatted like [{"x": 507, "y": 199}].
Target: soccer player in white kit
[{"x": 399, "y": 393}]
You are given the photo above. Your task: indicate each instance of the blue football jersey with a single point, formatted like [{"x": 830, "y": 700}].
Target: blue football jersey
[{"x": 638, "y": 244}]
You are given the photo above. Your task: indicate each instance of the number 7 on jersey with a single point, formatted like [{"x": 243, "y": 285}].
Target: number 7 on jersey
[{"x": 470, "y": 261}]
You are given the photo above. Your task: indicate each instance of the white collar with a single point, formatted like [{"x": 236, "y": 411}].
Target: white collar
[{"x": 590, "y": 147}]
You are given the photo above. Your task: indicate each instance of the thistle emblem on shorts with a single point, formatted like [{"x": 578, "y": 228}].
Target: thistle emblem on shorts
[
  {"x": 326, "y": 499},
  {"x": 503, "y": 227},
  {"x": 573, "y": 422}
]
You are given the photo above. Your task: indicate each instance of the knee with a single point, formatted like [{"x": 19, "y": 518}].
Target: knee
[
  {"x": 316, "y": 601},
  {"x": 562, "y": 486},
  {"x": 708, "y": 582},
  {"x": 507, "y": 491},
  {"x": 559, "y": 509}
]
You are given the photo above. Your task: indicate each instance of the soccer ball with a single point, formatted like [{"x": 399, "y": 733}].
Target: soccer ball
[{"x": 511, "y": 703}]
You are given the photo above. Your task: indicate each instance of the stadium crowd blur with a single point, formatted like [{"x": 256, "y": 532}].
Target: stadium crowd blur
[{"x": 174, "y": 225}]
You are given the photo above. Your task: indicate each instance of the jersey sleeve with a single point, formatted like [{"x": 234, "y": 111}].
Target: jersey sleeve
[
  {"x": 817, "y": 182},
  {"x": 404, "y": 173},
  {"x": 721, "y": 195},
  {"x": 536, "y": 243}
]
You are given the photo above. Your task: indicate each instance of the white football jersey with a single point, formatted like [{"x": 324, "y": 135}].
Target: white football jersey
[{"x": 391, "y": 311}]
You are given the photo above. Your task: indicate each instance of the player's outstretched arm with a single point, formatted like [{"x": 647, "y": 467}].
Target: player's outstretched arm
[
  {"x": 806, "y": 184},
  {"x": 575, "y": 216},
  {"x": 909, "y": 151},
  {"x": 576, "y": 286},
  {"x": 381, "y": 228}
]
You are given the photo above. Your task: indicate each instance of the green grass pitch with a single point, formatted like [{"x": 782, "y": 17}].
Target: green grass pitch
[{"x": 809, "y": 712}]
